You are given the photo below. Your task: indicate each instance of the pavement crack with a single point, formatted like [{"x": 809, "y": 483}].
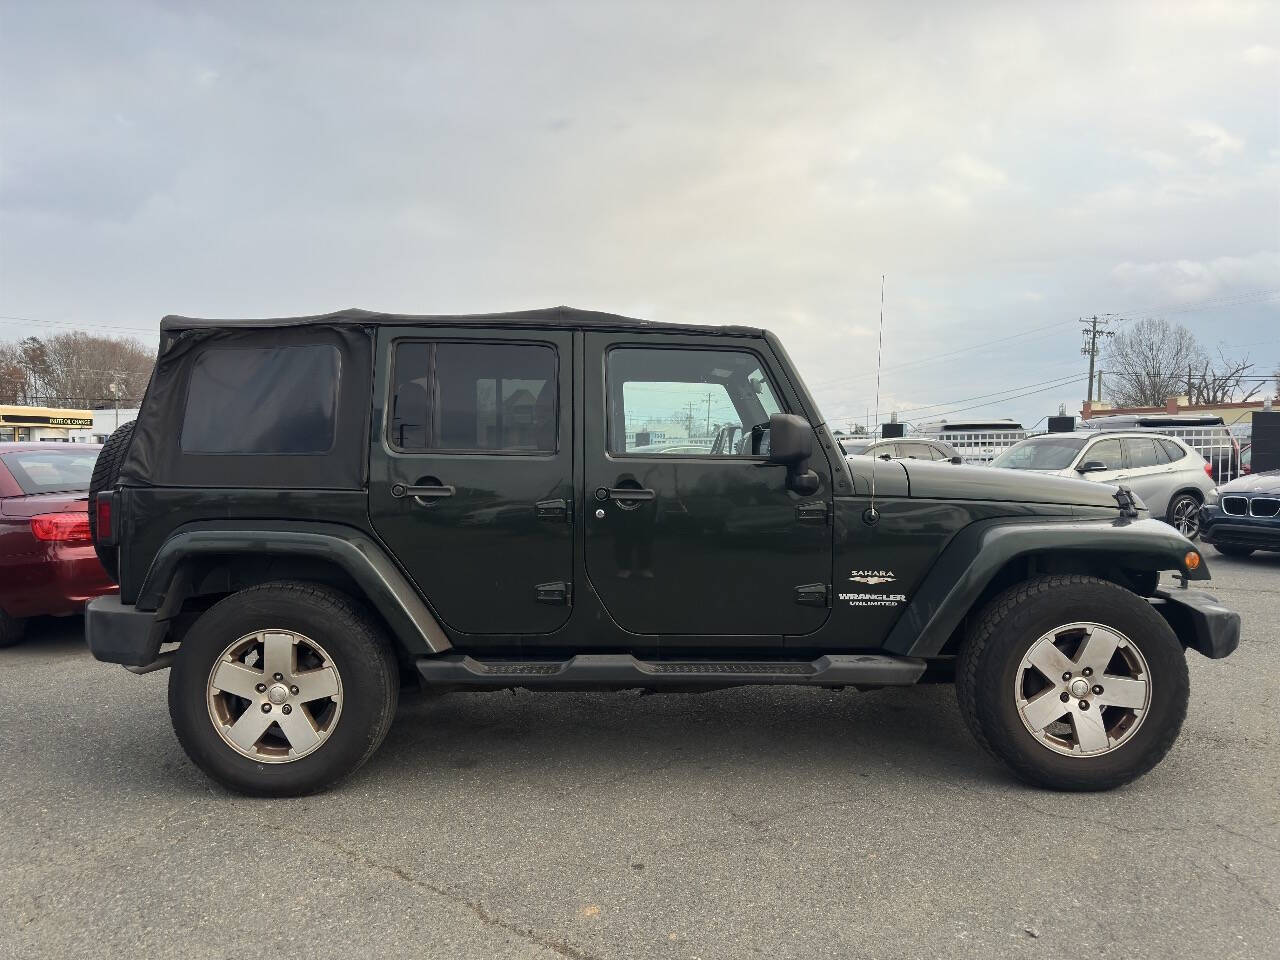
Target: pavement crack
[{"x": 479, "y": 910}]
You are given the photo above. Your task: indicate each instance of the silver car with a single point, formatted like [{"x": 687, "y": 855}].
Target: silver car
[{"x": 1170, "y": 477}]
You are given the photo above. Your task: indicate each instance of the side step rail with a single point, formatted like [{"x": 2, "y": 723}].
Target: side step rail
[{"x": 620, "y": 671}]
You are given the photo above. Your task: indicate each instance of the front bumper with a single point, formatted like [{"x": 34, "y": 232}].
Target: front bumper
[
  {"x": 121, "y": 633},
  {"x": 1200, "y": 621},
  {"x": 1261, "y": 533}
]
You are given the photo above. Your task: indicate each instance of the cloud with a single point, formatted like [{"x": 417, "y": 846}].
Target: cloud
[
  {"x": 1184, "y": 281},
  {"x": 1218, "y": 143}
]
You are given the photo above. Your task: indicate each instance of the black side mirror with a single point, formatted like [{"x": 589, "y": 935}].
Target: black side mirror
[
  {"x": 1091, "y": 466},
  {"x": 957, "y": 460},
  {"x": 790, "y": 441}
]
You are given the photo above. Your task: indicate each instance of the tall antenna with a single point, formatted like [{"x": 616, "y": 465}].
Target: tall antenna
[{"x": 871, "y": 516}]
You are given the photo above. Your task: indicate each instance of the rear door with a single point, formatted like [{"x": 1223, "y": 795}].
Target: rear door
[
  {"x": 471, "y": 471},
  {"x": 691, "y": 543}
]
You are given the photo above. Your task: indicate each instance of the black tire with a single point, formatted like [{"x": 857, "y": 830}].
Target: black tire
[
  {"x": 11, "y": 629},
  {"x": 1004, "y": 633},
  {"x": 1179, "y": 502},
  {"x": 1233, "y": 549},
  {"x": 360, "y": 652},
  {"x": 106, "y": 471}
]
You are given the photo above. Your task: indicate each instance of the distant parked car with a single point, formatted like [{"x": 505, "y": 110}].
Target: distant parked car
[
  {"x": 898, "y": 449},
  {"x": 1170, "y": 477},
  {"x": 1207, "y": 435},
  {"x": 1246, "y": 459},
  {"x": 1244, "y": 515},
  {"x": 47, "y": 561}
]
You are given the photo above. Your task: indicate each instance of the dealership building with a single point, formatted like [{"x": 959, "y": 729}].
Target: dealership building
[{"x": 43, "y": 423}]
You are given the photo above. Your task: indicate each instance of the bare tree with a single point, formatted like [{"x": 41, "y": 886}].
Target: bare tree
[
  {"x": 74, "y": 369},
  {"x": 1149, "y": 361},
  {"x": 1222, "y": 381}
]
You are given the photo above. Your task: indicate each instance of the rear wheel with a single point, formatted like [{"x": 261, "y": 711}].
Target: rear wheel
[
  {"x": 11, "y": 629},
  {"x": 1232, "y": 550},
  {"x": 1074, "y": 682},
  {"x": 282, "y": 689},
  {"x": 1184, "y": 515}
]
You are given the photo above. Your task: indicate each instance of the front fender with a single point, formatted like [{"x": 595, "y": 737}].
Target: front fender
[{"x": 980, "y": 551}]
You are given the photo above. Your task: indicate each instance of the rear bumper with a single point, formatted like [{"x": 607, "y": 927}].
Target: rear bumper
[
  {"x": 1200, "y": 621},
  {"x": 54, "y": 579},
  {"x": 121, "y": 633}
]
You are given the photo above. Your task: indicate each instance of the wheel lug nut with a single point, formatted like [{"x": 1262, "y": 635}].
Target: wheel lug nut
[
  {"x": 261, "y": 688},
  {"x": 266, "y": 708},
  {"x": 294, "y": 690},
  {"x": 1066, "y": 697},
  {"x": 1066, "y": 676},
  {"x": 286, "y": 709},
  {"x": 1097, "y": 689},
  {"x": 278, "y": 677},
  {"x": 1084, "y": 704},
  {"x": 1087, "y": 671}
]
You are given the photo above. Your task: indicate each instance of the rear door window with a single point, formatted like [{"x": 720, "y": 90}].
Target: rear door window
[
  {"x": 262, "y": 400},
  {"x": 1172, "y": 450},
  {"x": 474, "y": 397},
  {"x": 1142, "y": 452}
]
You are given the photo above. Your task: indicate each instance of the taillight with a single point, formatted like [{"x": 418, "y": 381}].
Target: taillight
[
  {"x": 102, "y": 519},
  {"x": 61, "y": 527},
  {"x": 1208, "y": 470}
]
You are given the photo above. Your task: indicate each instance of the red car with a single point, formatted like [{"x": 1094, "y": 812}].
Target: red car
[{"x": 47, "y": 562}]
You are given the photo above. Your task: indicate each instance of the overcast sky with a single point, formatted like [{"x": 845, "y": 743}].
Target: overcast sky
[{"x": 1008, "y": 168}]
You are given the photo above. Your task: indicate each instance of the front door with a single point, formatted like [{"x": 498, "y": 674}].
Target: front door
[
  {"x": 691, "y": 531},
  {"x": 471, "y": 473}
]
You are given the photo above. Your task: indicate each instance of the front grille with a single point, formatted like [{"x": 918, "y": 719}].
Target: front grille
[
  {"x": 1264, "y": 506},
  {"x": 1235, "y": 506}
]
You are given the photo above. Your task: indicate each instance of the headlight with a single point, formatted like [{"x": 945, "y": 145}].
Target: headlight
[{"x": 1212, "y": 497}]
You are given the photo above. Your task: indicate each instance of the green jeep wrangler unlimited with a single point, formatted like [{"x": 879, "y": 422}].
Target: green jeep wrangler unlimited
[{"x": 310, "y": 510}]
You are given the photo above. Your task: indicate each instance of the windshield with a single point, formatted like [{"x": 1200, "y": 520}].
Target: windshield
[
  {"x": 1040, "y": 453},
  {"x": 41, "y": 471}
]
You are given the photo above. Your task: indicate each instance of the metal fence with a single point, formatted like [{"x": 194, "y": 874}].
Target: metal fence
[{"x": 1219, "y": 445}]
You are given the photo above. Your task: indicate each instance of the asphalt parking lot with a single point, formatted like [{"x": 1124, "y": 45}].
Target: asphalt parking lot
[{"x": 757, "y": 822}]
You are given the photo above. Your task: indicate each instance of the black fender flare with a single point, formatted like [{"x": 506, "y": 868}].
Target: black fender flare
[
  {"x": 979, "y": 551},
  {"x": 357, "y": 553}
]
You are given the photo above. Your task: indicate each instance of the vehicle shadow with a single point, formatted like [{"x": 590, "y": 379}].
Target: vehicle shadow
[{"x": 522, "y": 738}]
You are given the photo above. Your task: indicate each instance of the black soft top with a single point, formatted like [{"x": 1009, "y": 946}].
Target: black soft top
[{"x": 567, "y": 317}]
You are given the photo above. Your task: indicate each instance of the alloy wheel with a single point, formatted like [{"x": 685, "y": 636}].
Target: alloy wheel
[
  {"x": 1186, "y": 517},
  {"x": 1082, "y": 689},
  {"x": 274, "y": 696}
]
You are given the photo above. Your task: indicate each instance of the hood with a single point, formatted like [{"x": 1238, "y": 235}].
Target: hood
[
  {"x": 948, "y": 481},
  {"x": 1268, "y": 483}
]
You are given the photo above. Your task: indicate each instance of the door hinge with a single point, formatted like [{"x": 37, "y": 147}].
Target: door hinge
[
  {"x": 556, "y": 593},
  {"x": 815, "y": 511},
  {"x": 552, "y": 510},
  {"x": 813, "y": 594}
]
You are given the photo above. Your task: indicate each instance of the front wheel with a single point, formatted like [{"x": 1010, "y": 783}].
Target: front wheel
[
  {"x": 282, "y": 689},
  {"x": 1074, "y": 682},
  {"x": 1184, "y": 515}
]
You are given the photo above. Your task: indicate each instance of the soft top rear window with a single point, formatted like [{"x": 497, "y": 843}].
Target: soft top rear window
[{"x": 262, "y": 400}]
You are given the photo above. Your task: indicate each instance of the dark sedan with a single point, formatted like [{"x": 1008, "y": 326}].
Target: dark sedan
[
  {"x": 1245, "y": 515},
  {"x": 47, "y": 561}
]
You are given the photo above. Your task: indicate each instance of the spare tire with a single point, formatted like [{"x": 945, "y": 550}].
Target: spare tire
[{"x": 106, "y": 471}]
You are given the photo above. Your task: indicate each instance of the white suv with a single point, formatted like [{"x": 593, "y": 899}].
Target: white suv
[{"x": 1170, "y": 477}]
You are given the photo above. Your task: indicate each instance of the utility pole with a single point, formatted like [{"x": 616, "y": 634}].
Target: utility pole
[
  {"x": 1091, "y": 333},
  {"x": 708, "y": 433}
]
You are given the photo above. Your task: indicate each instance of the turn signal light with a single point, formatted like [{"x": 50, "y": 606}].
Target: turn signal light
[
  {"x": 1192, "y": 560},
  {"x": 61, "y": 527}
]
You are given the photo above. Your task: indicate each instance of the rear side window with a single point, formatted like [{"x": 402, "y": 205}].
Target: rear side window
[
  {"x": 481, "y": 397},
  {"x": 1172, "y": 450},
  {"x": 262, "y": 400}
]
